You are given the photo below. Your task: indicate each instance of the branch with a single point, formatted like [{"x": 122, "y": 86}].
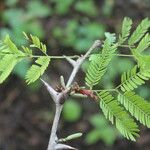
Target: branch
[
  {"x": 59, "y": 97},
  {"x": 80, "y": 60},
  {"x": 52, "y": 142},
  {"x": 71, "y": 61}
]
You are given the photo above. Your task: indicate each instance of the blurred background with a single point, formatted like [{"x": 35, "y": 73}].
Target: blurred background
[{"x": 68, "y": 27}]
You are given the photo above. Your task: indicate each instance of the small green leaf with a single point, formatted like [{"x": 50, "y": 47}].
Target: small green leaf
[
  {"x": 37, "y": 43},
  {"x": 110, "y": 36},
  {"x": 126, "y": 27},
  {"x": 140, "y": 31},
  {"x": 144, "y": 43},
  {"x": 137, "y": 106},
  {"x": 133, "y": 78},
  {"x": 118, "y": 116},
  {"x": 36, "y": 70},
  {"x": 12, "y": 47},
  {"x": 99, "y": 62},
  {"x": 27, "y": 50},
  {"x": 7, "y": 63}
]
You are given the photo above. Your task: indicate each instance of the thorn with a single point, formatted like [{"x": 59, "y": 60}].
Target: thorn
[
  {"x": 71, "y": 61},
  {"x": 52, "y": 92}
]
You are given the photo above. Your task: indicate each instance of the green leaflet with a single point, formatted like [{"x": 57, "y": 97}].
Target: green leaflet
[
  {"x": 144, "y": 44},
  {"x": 139, "y": 32},
  {"x": 133, "y": 78},
  {"x": 35, "y": 43},
  {"x": 11, "y": 45},
  {"x": 7, "y": 63},
  {"x": 8, "y": 47},
  {"x": 10, "y": 55},
  {"x": 125, "y": 32},
  {"x": 37, "y": 69},
  {"x": 118, "y": 116},
  {"x": 98, "y": 64},
  {"x": 27, "y": 50},
  {"x": 142, "y": 59},
  {"x": 137, "y": 106}
]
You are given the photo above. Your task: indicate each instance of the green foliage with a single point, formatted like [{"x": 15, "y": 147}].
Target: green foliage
[
  {"x": 11, "y": 55},
  {"x": 126, "y": 27},
  {"x": 133, "y": 78},
  {"x": 17, "y": 19},
  {"x": 85, "y": 6},
  {"x": 77, "y": 35},
  {"x": 139, "y": 32},
  {"x": 37, "y": 8},
  {"x": 137, "y": 106},
  {"x": 73, "y": 35},
  {"x": 7, "y": 64},
  {"x": 110, "y": 36},
  {"x": 63, "y": 8},
  {"x": 11, "y": 2},
  {"x": 108, "y": 7},
  {"x": 101, "y": 131},
  {"x": 142, "y": 59},
  {"x": 98, "y": 65},
  {"x": 144, "y": 44},
  {"x": 10, "y": 47},
  {"x": 37, "y": 69},
  {"x": 118, "y": 116},
  {"x": 71, "y": 111},
  {"x": 35, "y": 43}
]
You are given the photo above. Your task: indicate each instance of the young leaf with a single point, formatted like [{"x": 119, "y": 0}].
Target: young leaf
[
  {"x": 4, "y": 48},
  {"x": 144, "y": 44},
  {"x": 7, "y": 63},
  {"x": 137, "y": 106},
  {"x": 12, "y": 47},
  {"x": 8, "y": 47},
  {"x": 140, "y": 31},
  {"x": 27, "y": 50},
  {"x": 131, "y": 79},
  {"x": 110, "y": 36},
  {"x": 37, "y": 69},
  {"x": 26, "y": 36},
  {"x": 98, "y": 65},
  {"x": 126, "y": 27},
  {"x": 38, "y": 44},
  {"x": 118, "y": 116}
]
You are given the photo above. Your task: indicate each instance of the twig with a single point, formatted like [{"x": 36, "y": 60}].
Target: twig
[
  {"x": 80, "y": 61},
  {"x": 57, "y": 97},
  {"x": 52, "y": 142},
  {"x": 71, "y": 61}
]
